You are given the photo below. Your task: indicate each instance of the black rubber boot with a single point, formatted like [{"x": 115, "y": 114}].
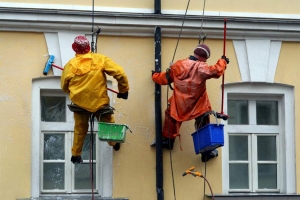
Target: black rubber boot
[
  {"x": 117, "y": 146},
  {"x": 206, "y": 156},
  {"x": 76, "y": 159},
  {"x": 168, "y": 143}
]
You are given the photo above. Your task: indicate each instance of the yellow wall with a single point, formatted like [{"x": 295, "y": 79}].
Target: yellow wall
[
  {"x": 21, "y": 59},
  {"x": 134, "y": 166},
  {"x": 255, "y": 6},
  {"x": 287, "y": 72},
  {"x": 135, "y": 163},
  {"x": 148, "y": 4}
]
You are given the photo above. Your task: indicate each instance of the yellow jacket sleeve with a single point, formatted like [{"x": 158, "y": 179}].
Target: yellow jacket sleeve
[
  {"x": 116, "y": 71},
  {"x": 66, "y": 77}
]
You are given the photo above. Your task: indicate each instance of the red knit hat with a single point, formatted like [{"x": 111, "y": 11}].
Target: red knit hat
[
  {"x": 202, "y": 50},
  {"x": 81, "y": 45}
]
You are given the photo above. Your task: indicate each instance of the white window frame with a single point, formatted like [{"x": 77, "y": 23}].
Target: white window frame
[
  {"x": 105, "y": 153},
  {"x": 285, "y": 94}
]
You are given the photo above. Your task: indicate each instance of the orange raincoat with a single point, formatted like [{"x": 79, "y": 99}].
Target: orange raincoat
[{"x": 189, "y": 99}]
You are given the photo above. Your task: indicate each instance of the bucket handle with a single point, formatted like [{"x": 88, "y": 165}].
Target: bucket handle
[
  {"x": 128, "y": 128},
  {"x": 214, "y": 113}
]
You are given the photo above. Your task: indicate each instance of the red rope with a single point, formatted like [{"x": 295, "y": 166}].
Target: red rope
[{"x": 224, "y": 54}]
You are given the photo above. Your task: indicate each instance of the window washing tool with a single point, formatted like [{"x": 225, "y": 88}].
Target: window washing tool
[
  {"x": 50, "y": 64},
  {"x": 221, "y": 114}
]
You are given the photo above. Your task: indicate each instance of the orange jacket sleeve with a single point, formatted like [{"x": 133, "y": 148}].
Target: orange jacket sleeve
[
  {"x": 214, "y": 71},
  {"x": 160, "y": 78}
]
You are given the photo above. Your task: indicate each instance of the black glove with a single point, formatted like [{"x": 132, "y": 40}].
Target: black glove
[
  {"x": 153, "y": 72},
  {"x": 226, "y": 59},
  {"x": 123, "y": 95}
]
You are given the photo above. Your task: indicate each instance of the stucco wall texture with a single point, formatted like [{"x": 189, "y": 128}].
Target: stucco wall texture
[
  {"x": 254, "y": 6},
  {"x": 134, "y": 166},
  {"x": 21, "y": 59}
]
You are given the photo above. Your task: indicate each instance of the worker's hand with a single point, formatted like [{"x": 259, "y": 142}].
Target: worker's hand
[
  {"x": 226, "y": 59},
  {"x": 123, "y": 95}
]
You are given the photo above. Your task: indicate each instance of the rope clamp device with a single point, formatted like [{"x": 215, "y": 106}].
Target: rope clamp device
[
  {"x": 169, "y": 77},
  {"x": 202, "y": 37},
  {"x": 192, "y": 172}
]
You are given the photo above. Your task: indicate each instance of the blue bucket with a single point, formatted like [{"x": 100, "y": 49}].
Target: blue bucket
[{"x": 208, "y": 138}]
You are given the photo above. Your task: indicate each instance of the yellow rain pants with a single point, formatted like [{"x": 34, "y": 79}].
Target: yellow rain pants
[{"x": 81, "y": 128}]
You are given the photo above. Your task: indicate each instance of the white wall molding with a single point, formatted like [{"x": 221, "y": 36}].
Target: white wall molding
[
  {"x": 142, "y": 22},
  {"x": 257, "y": 59}
]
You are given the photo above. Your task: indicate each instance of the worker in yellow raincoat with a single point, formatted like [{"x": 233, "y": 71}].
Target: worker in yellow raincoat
[
  {"x": 189, "y": 100},
  {"x": 84, "y": 79}
]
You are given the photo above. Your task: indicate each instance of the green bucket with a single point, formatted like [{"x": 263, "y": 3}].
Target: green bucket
[{"x": 111, "y": 132}]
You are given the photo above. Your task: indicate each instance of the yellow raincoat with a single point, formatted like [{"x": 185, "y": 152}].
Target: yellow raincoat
[{"x": 84, "y": 79}]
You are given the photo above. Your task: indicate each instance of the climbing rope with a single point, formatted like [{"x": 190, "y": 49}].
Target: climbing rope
[
  {"x": 170, "y": 87},
  {"x": 91, "y": 161},
  {"x": 93, "y": 43},
  {"x": 202, "y": 36}
]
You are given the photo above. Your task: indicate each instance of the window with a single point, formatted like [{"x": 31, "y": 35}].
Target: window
[
  {"x": 253, "y": 161},
  {"x": 57, "y": 173},
  {"x": 52, "y": 135},
  {"x": 259, "y": 139}
]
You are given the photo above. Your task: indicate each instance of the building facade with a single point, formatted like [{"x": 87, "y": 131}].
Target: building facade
[{"x": 260, "y": 156}]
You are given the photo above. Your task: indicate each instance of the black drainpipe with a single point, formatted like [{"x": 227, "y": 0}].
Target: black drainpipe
[
  {"x": 158, "y": 119},
  {"x": 157, "y": 6}
]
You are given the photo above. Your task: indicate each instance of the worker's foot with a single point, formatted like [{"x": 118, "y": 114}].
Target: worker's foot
[
  {"x": 117, "y": 146},
  {"x": 167, "y": 143},
  {"x": 76, "y": 159},
  {"x": 206, "y": 156}
]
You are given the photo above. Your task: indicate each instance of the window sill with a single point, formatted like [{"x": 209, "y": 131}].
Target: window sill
[
  {"x": 257, "y": 196},
  {"x": 74, "y": 197}
]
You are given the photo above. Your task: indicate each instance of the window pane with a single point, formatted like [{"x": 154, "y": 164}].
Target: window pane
[
  {"x": 54, "y": 147},
  {"x": 82, "y": 176},
  {"x": 54, "y": 176},
  {"x": 266, "y": 148},
  {"x": 87, "y": 146},
  {"x": 238, "y": 112},
  {"x": 238, "y": 176},
  {"x": 53, "y": 109},
  {"x": 267, "y": 112},
  {"x": 267, "y": 176},
  {"x": 238, "y": 147}
]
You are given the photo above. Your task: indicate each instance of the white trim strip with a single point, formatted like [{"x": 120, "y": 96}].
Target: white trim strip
[{"x": 148, "y": 10}]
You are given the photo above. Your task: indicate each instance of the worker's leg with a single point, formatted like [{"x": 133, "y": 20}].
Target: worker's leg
[
  {"x": 80, "y": 130},
  {"x": 170, "y": 130},
  {"x": 201, "y": 121},
  {"x": 109, "y": 118},
  {"x": 171, "y": 126}
]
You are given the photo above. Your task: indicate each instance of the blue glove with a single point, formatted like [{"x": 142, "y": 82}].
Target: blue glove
[{"x": 123, "y": 95}]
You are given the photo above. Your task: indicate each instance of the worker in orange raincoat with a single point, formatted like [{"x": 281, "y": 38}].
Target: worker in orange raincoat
[
  {"x": 84, "y": 79},
  {"x": 189, "y": 100}
]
